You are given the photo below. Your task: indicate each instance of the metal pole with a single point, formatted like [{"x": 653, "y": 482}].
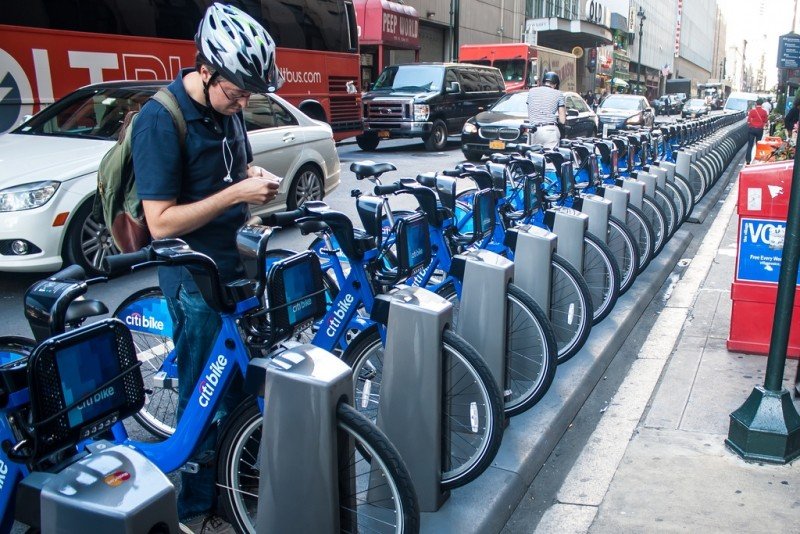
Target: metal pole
[
  {"x": 767, "y": 426},
  {"x": 641, "y": 16}
]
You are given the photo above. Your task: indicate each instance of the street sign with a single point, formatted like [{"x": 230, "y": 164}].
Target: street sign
[{"x": 789, "y": 51}]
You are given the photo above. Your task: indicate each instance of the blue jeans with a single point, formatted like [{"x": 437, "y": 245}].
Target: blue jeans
[{"x": 195, "y": 328}]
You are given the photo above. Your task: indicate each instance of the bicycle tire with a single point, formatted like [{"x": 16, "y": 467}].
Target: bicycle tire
[
  {"x": 658, "y": 222},
  {"x": 13, "y": 346},
  {"x": 571, "y": 308},
  {"x": 642, "y": 230},
  {"x": 460, "y": 360},
  {"x": 670, "y": 211},
  {"x": 529, "y": 374},
  {"x": 623, "y": 245},
  {"x": 697, "y": 183},
  {"x": 601, "y": 272},
  {"x": 678, "y": 199},
  {"x": 682, "y": 185},
  {"x": 159, "y": 415},
  {"x": 238, "y": 472}
]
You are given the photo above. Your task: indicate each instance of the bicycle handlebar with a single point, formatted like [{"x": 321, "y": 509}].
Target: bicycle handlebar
[
  {"x": 122, "y": 263},
  {"x": 388, "y": 189},
  {"x": 284, "y": 219}
]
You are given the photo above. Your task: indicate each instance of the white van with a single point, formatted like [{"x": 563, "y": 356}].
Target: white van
[{"x": 740, "y": 101}]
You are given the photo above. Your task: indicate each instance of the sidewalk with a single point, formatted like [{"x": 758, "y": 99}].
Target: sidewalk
[{"x": 675, "y": 474}]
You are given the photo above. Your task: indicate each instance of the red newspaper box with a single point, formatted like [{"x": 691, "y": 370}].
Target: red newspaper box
[{"x": 763, "y": 208}]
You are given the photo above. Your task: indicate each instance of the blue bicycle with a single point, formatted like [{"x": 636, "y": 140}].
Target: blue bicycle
[{"x": 294, "y": 289}]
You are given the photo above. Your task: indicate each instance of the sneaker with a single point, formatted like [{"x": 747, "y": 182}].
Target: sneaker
[{"x": 209, "y": 524}]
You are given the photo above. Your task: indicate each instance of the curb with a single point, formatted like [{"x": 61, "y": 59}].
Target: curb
[
  {"x": 486, "y": 504},
  {"x": 710, "y": 200}
]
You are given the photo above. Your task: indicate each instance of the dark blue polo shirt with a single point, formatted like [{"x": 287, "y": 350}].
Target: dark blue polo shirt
[{"x": 163, "y": 173}]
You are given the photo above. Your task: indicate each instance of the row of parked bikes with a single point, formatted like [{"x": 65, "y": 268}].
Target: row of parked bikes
[{"x": 538, "y": 244}]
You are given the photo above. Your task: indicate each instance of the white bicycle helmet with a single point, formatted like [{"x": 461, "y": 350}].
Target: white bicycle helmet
[{"x": 239, "y": 48}]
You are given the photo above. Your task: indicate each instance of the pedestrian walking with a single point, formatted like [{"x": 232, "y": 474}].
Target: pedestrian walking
[
  {"x": 756, "y": 120},
  {"x": 201, "y": 194},
  {"x": 792, "y": 116},
  {"x": 546, "y": 111}
]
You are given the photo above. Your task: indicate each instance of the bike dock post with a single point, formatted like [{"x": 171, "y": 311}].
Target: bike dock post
[
  {"x": 598, "y": 209},
  {"x": 482, "y": 309},
  {"x": 649, "y": 181},
  {"x": 636, "y": 190},
  {"x": 570, "y": 226},
  {"x": 302, "y": 387},
  {"x": 533, "y": 251},
  {"x": 669, "y": 168},
  {"x": 683, "y": 165},
  {"x": 661, "y": 176},
  {"x": 114, "y": 489},
  {"x": 412, "y": 362},
  {"x": 619, "y": 198}
]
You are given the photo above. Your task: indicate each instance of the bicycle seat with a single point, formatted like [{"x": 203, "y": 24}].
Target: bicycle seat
[
  {"x": 79, "y": 310},
  {"x": 369, "y": 169}
]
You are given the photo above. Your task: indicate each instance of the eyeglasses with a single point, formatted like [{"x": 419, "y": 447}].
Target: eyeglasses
[{"x": 235, "y": 96}]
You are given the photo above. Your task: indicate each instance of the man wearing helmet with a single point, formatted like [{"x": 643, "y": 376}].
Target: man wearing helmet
[
  {"x": 200, "y": 193},
  {"x": 546, "y": 111}
]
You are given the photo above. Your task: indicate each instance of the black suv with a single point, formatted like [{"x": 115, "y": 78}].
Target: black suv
[{"x": 427, "y": 100}]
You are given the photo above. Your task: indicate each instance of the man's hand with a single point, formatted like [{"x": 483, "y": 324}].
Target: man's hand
[{"x": 257, "y": 189}]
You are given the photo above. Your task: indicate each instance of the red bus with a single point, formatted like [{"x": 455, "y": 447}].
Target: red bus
[{"x": 49, "y": 48}]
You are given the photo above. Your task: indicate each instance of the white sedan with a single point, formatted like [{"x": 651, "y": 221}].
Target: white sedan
[{"x": 48, "y": 170}]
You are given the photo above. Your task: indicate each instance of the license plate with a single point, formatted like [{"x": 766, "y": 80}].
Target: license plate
[
  {"x": 383, "y": 134},
  {"x": 497, "y": 145}
]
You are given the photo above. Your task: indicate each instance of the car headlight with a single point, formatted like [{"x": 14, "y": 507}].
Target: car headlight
[
  {"x": 636, "y": 119},
  {"x": 27, "y": 196},
  {"x": 469, "y": 128},
  {"x": 421, "y": 112}
]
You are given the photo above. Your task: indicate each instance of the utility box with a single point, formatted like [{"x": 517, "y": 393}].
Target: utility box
[{"x": 763, "y": 209}]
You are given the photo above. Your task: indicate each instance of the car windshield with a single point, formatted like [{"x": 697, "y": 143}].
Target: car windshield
[
  {"x": 696, "y": 103},
  {"x": 410, "y": 78},
  {"x": 515, "y": 103},
  {"x": 738, "y": 104},
  {"x": 87, "y": 113},
  {"x": 619, "y": 102}
]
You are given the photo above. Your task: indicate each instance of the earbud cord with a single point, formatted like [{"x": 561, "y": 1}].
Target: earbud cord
[{"x": 227, "y": 153}]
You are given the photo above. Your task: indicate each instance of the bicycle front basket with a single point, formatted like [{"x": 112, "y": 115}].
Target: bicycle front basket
[
  {"x": 81, "y": 383},
  {"x": 413, "y": 245},
  {"x": 295, "y": 292}
]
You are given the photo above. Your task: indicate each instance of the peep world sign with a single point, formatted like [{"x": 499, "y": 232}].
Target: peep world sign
[{"x": 760, "y": 250}]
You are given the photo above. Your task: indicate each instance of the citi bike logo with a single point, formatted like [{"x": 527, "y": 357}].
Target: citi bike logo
[
  {"x": 97, "y": 397},
  {"x": 209, "y": 383},
  {"x": 3, "y": 473},
  {"x": 300, "y": 306},
  {"x": 339, "y": 313},
  {"x": 417, "y": 253},
  {"x": 144, "y": 321}
]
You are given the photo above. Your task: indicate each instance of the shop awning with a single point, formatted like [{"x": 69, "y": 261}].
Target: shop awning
[
  {"x": 381, "y": 22},
  {"x": 619, "y": 82}
]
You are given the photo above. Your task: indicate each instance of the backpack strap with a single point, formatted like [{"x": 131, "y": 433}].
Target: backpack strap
[{"x": 165, "y": 97}]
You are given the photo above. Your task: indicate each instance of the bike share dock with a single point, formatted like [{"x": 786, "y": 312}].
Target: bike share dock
[{"x": 486, "y": 504}]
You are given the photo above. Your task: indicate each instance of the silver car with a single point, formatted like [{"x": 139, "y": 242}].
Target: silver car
[{"x": 49, "y": 172}]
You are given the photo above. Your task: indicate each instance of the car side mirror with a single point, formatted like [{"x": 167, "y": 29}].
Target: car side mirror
[
  {"x": 572, "y": 113},
  {"x": 454, "y": 87}
]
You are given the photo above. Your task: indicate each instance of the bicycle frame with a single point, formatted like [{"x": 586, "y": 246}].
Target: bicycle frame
[{"x": 11, "y": 473}]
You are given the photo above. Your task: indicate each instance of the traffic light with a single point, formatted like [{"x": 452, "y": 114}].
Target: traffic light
[{"x": 591, "y": 60}]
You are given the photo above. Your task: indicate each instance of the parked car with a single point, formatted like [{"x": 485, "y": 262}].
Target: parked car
[
  {"x": 695, "y": 107},
  {"x": 427, "y": 100},
  {"x": 492, "y": 130},
  {"x": 49, "y": 174},
  {"x": 739, "y": 101},
  {"x": 666, "y": 105},
  {"x": 625, "y": 111}
]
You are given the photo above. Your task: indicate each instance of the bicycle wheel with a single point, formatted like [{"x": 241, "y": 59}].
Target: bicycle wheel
[
  {"x": 680, "y": 202},
  {"x": 623, "y": 245},
  {"x": 570, "y": 308},
  {"x": 658, "y": 221},
  {"x": 642, "y": 231},
  {"x": 531, "y": 353},
  {"x": 696, "y": 182},
  {"x": 472, "y": 415},
  {"x": 365, "y": 456},
  {"x": 147, "y": 316},
  {"x": 601, "y": 272},
  {"x": 670, "y": 211},
  {"x": 686, "y": 189}
]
